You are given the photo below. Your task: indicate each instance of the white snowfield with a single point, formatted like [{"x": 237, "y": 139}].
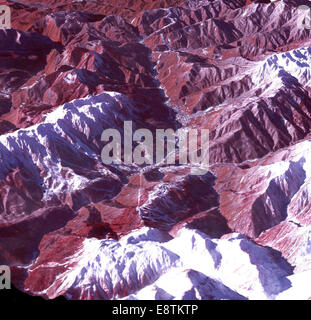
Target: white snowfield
[
  {"x": 149, "y": 264},
  {"x": 291, "y": 66}
]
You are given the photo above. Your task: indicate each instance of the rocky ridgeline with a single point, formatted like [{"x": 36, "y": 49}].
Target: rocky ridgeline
[{"x": 72, "y": 226}]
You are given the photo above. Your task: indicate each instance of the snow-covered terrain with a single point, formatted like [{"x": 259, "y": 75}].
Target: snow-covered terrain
[{"x": 73, "y": 226}]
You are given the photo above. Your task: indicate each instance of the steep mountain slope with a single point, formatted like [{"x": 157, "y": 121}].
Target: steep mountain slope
[{"x": 71, "y": 225}]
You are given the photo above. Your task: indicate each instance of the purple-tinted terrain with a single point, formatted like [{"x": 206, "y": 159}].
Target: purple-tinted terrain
[{"x": 72, "y": 226}]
